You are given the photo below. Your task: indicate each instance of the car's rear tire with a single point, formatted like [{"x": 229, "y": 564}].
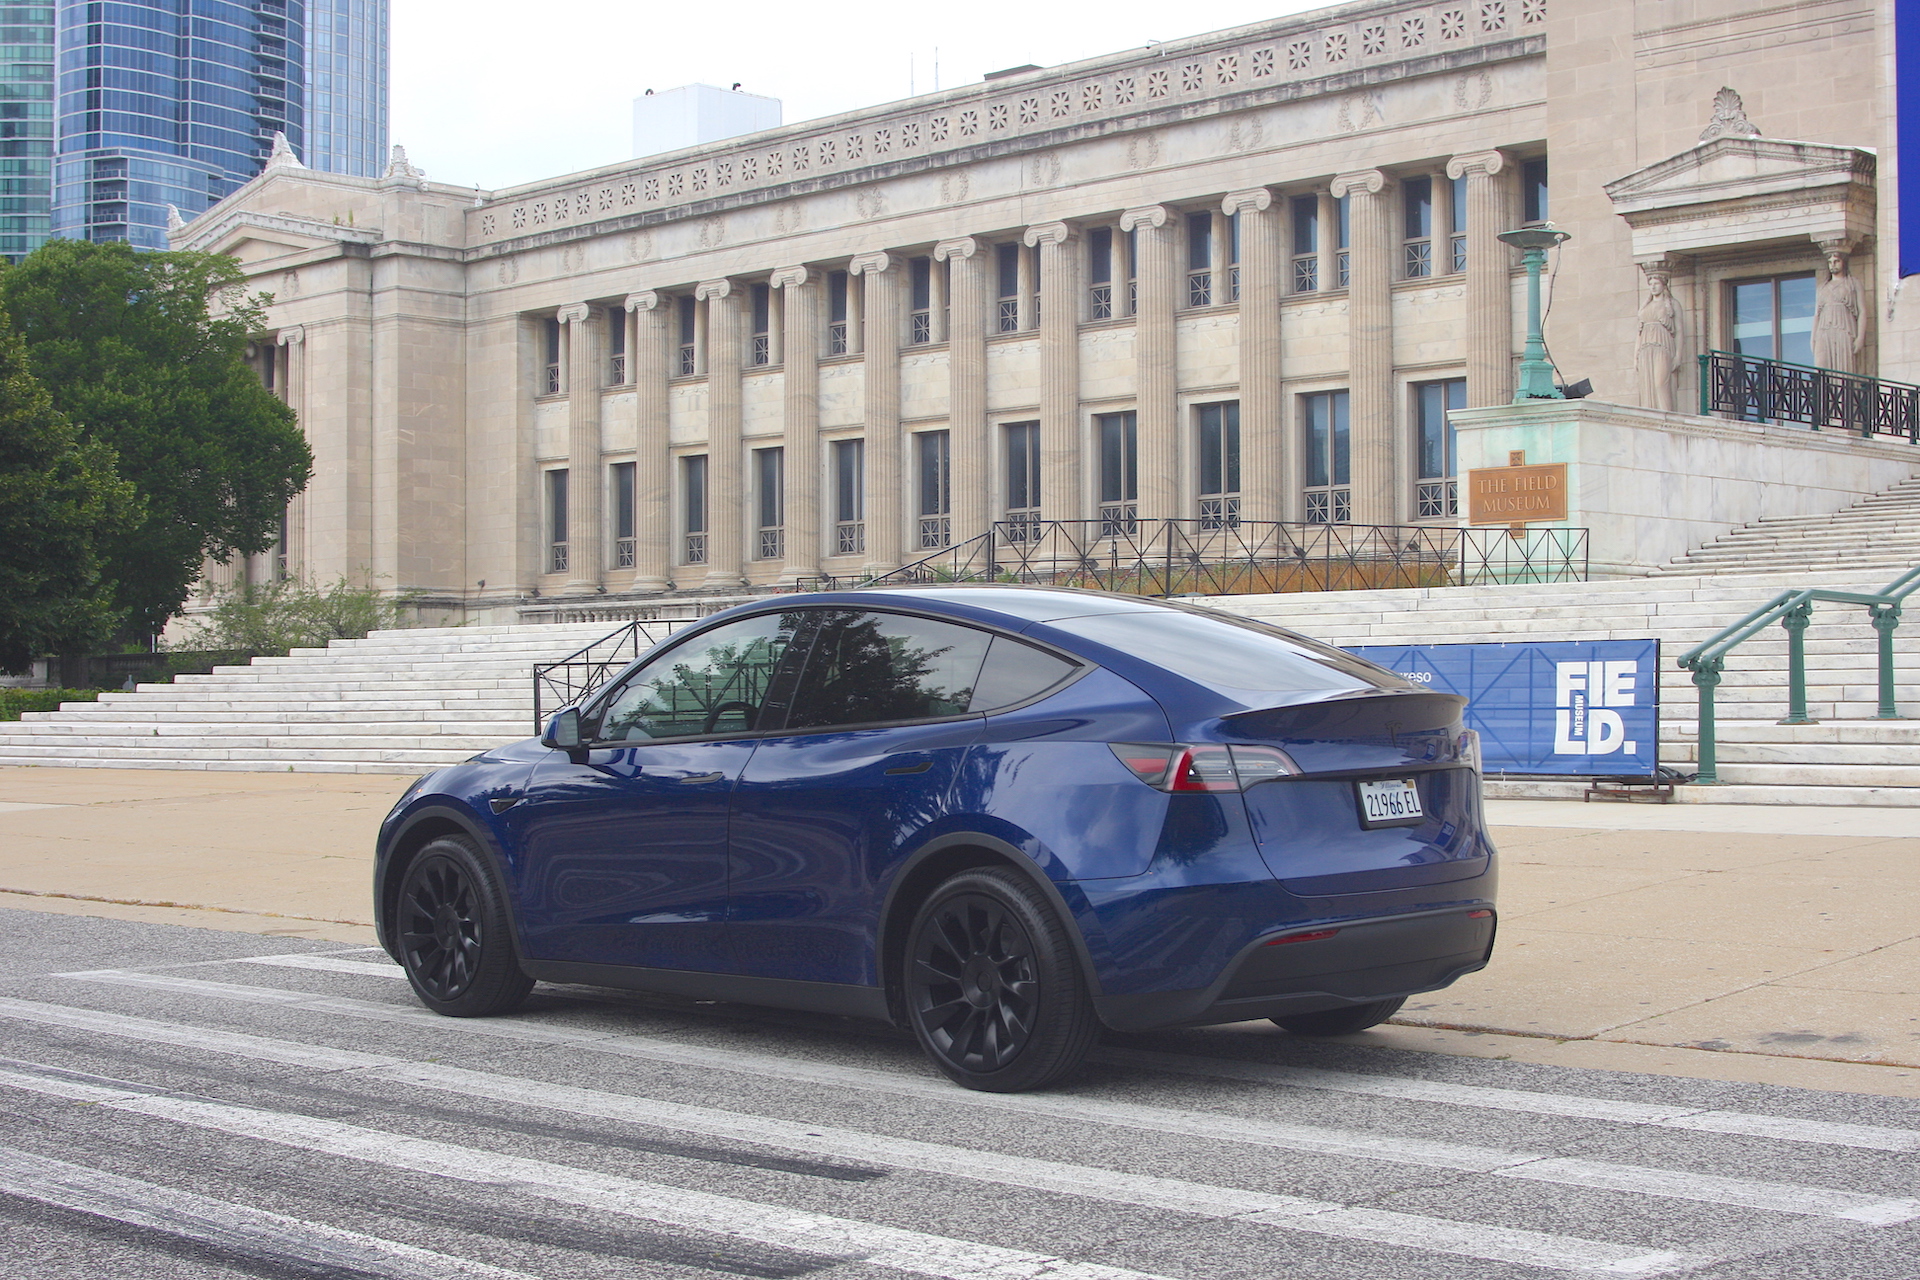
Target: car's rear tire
[
  {"x": 455, "y": 941},
  {"x": 992, "y": 985},
  {"x": 1341, "y": 1022}
]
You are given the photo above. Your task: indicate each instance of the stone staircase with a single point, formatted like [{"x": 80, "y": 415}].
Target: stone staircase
[
  {"x": 1881, "y": 534},
  {"x": 395, "y": 702},
  {"x": 400, "y": 701}
]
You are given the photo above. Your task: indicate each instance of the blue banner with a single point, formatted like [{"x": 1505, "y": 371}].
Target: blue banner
[
  {"x": 1906, "y": 137},
  {"x": 1583, "y": 707}
]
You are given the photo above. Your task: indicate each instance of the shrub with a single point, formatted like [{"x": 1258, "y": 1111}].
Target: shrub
[
  {"x": 13, "y": 702},
  {"x": 272, "y": 618}
]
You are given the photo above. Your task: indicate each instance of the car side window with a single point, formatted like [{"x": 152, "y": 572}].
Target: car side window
[
  {"x": 1014, "y": 672},
  {"x": 867, "y": 668},
  {"x": 716, "y": 682}
]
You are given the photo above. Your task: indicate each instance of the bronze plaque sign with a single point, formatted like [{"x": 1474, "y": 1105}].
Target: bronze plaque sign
[{"x": 1515, "y": 495}]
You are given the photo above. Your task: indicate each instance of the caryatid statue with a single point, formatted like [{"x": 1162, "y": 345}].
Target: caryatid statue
[
  {"x": 1839, "y": 316},
  {"x": 1662, "y": 342}
]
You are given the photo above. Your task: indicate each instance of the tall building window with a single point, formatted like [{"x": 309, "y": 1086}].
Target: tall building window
[
  {"x": 1772, "y": 318},
  {"x": 1435, "y": 494},
  {"x": 849, "y": 497},
  {"x": 1023, "y": 481},
  {"x": 1219, "y": 456},
  {"x": 1342, "y": 242},
  {"x": 557, "y": 521},
  {"x": 687, "y": 312},
  {"x": 1533, "y": 191},
  {"x": 769, "y": 503},
  {"x": 1457, "y": 224},
  {"x": 1199, "y": 259},
  {"x": 693, "y": 508},
  {"x": 1006, "y": 261},
  {"x": 1323, "y": 417},
  {"x": 620, "y": 485},
  {"x": 920, "y": 301},
  {"x": 551, "y": 374},
  {"x": 616, "y": 318},
  {"x": 1100, "y": 273},
  {"x": 839, "y": 340},
  {"x": 1306, "y": 244},
  {"x": 933, "y": 467},
  {"x": 1233, "y": 256},
  {"x": 1416, "y": 198},
  {"x": 761, "y": 306},
  {"x": 1119, "y": 444}
]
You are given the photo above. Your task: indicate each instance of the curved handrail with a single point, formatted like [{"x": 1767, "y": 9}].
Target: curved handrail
[{"x": 1793, "y": 610}]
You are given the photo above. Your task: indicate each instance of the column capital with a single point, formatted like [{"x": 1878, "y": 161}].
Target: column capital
[
  {"x": 1259, "y": 199},
  {"x": 792, "y": 277},
  {"x": 961, "y": 247},
  {"x": 1487, "y": 163},
  {"x": 708, "y": 290},
  {"x": 1664, "y": 265},
  {"x": 1369, "y": 181},
  {"x": 1151, "y": 215},
  {"x": 1054, "y": 233},
  {"x": 574, "y": 313},
  {"x": 870, "y": 264},
  {"x": 292, "y": 336},
  {"x": 645, "y": 300}
]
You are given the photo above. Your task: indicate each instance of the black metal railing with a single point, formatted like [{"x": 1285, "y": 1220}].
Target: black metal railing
[
  {"x": 567, "y": 681},
  {"x": 1198, "y": 557},
  {"x": 1755, "y": 389}
]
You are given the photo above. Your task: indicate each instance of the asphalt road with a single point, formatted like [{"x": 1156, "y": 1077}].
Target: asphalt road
[{"x": 182, "y": 1103}]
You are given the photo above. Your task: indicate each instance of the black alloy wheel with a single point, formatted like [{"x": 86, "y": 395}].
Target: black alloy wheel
[
  {"x": 993, "y": 988},
  {"x": 1341, "y": 1022},
  {"x": 455, "y": 944}
]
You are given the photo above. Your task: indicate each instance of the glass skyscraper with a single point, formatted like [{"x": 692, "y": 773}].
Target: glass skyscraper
[{"x": 111, "y": 110}]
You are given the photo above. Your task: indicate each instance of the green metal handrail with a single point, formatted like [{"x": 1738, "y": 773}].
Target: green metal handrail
[{"x": 1793, "y": 610}]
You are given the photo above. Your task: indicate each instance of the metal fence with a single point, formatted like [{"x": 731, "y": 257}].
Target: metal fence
[
  {"x": 1246, "y": 557},
  {"x": 1759, "y": 390},
  {"x": 567, "y": 681}
]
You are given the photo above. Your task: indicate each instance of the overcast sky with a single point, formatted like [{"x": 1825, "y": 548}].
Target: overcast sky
[{"x": 490, "y": 93}]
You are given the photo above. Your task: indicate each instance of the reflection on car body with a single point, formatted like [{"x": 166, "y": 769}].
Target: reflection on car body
[{"x": 1002, "y": 816}]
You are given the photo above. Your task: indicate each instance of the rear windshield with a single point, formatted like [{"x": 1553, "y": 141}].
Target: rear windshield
[{"x": 1237, "y": 657}]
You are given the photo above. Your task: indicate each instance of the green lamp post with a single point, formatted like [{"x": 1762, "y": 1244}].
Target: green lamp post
[{"x": 1536, "y": 371}]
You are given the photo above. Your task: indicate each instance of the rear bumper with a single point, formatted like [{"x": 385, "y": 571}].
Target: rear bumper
[{"x": 1365, "y": 960}]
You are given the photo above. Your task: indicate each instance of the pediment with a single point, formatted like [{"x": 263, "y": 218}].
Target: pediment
[
  {"x": 1732, "y": 168},
  {"x": 252, "y": 236}
]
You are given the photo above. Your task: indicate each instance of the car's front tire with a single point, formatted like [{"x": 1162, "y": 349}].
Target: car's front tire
[
  {"x": 993, "y": 988},
  {"x": 455, "y": 942},
  {"x": 1341, "y": 1022}
]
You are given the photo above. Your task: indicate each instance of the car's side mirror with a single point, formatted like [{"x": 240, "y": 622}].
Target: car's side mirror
[{"x": 563, "y": 734}]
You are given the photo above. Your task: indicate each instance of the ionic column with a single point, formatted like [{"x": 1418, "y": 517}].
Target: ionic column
[
  {"x": 1489, "y": 335},
  {"x": 726, "y": 496},
  {"x": 1153, "y": 354},
  {"x": 1262, "y": 416},
  {"x": 1060, "y": 494},
  {"x": 1370, "y": 347},
  {"x": 800, "y": 346},
  {"x": 649, "y": 354},
  {"x": 583, "y": 450},
  {"x": 293, "y": 384},
  {"x": 967, "y": 269},
  {"x": 880, "y": 309}
]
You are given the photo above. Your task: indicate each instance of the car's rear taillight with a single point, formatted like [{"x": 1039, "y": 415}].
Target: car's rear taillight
[
  {"x": 1173, "y": 766},
  {"x": 1470, "y": 749}
]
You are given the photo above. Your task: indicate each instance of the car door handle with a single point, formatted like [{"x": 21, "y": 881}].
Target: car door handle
[
  {"x": 920, "y": 767},
  {"x": 703, "y": 777}
]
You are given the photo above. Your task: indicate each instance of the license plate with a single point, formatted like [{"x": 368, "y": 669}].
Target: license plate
[{"x": 1387, "y": 804}]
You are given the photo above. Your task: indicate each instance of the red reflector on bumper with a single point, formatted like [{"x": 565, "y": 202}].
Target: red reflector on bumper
[
  {"x": 1478, "y": 915},
  {"x": 1311, "y": 936}
]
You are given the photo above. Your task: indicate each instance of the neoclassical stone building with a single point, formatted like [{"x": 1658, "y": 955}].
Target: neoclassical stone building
[{"x": 1240, "y": 276}]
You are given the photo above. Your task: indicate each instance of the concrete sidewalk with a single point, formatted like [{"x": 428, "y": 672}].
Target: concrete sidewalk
[{"x": 1774, "y": 945}]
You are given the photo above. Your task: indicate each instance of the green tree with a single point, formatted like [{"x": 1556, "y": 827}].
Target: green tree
[
  {"x": 146, "y": 354},
  {"x": 59, "y": 500}
]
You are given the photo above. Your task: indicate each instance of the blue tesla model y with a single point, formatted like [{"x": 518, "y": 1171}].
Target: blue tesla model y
[{"x": 1002, "y": 816}]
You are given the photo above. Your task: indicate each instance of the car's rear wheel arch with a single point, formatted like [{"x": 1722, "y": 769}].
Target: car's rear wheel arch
[{"x": 930, "y": 867}]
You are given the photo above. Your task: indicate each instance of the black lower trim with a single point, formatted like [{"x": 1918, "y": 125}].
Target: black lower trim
[
  {"x": 1366, "y": 960},
  {"x": 779, "y": 993}
]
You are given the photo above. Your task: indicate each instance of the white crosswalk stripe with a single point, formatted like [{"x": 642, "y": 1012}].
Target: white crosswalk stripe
[
  {"x": 255, "y": 1233},
  {"x": 1319, "y": 1140},
  {"x": 1291, "y": 1212}
]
